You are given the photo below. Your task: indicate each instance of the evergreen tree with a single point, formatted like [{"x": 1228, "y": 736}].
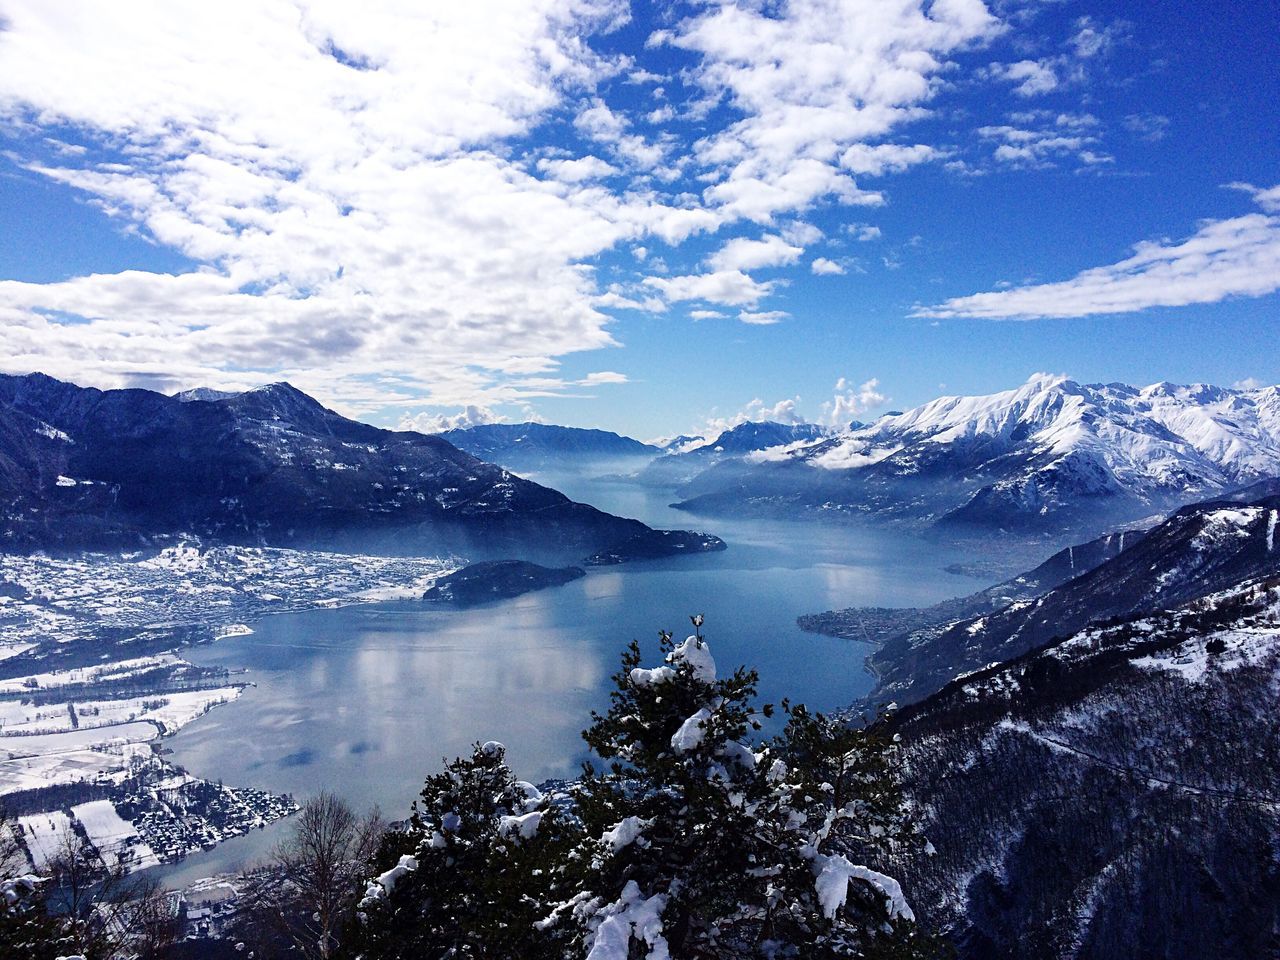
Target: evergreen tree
[
  {"x": 475, "y": 869},
  {"x": 695, "y": 845},
  {"x": 686, "y": 841}
]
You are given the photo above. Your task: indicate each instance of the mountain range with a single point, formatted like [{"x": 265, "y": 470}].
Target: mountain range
[
  {"x": 539, "y": 446},
  {"x": 1052, "y": 456},
  {"x": 85, "y": 468}
]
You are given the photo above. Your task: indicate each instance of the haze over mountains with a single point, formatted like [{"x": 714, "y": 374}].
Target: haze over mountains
[
  {"x": 1051, "y": 456},
  {"x": 83, "y": 468}
]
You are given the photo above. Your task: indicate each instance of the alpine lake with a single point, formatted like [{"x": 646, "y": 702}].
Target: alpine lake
[{"x": 365, "y": 701}]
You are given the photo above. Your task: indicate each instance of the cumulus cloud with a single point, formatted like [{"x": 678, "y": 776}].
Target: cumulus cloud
[
  {"x": 576, "y": 171},
  {"x": 468, "y": 416},
  {"x": 728, "y": 287},
  {"x": 823, "y": 267},
  {"x": 371, "y": 203},
  {"x": 757, "y": 411},
  {"x": 1236, "y": 257},
  {"x": 741, "y": 253},
  {"x": 850, "y": 402},
  {"x": 886, "y": 157},
  {"x": 810, "y": 79},
  {"x": 1029, "y": 77}
]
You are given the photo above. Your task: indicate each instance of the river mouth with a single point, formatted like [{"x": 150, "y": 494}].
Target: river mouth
[{"x": 365, "y": 701}]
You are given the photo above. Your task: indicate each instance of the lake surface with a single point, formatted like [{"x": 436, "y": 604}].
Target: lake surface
[{"x": 365, "y": 701}]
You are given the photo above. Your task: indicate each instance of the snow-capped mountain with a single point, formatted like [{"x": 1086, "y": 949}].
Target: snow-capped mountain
[
  {"x": 1052, "y": 454},
  {"x": 686, "y": 457},
  {"x": 1112, "y": 795},
  {"x": 86, "y": 468}
]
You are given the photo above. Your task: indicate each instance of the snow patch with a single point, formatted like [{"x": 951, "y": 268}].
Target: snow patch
[
  {"x": 691, "y": 732},
  {"x": 631, "y": 917},
  {"x": 832, "y": 885}
]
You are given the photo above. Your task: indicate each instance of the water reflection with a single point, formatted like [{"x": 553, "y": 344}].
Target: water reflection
[{"x": 366, "y": 701}]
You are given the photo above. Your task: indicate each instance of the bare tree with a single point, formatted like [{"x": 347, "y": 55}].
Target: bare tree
[
  {"x": 84, "y": 906},
  {"x": 301, "y": 900}
]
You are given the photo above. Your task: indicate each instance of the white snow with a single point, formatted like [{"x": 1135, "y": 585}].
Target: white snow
[
  {"x": 1271, "y": 531},
  {"x": 833, "y": 874},
  {"x": 691, "y": 732},
  {"x": 624, "y": 833},
  {"x": 524, "y": 826},
  {"x": 631, "y": 917},
  {"x": 112, "y": 835},
  {"x": 45, "y": 835},
  {"x": 697, "y": 654},
  {"x": 1155, "y": 438},
  {"x": 385, "y": 883}
]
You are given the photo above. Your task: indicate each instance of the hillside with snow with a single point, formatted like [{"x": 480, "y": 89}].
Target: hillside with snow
[
  {"x": 1198, "y": 550},
  {"x": 1110, "y": 795},
  {"x": 1052, "y": 455}
]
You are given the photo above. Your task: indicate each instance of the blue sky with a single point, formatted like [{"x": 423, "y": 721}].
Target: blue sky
[{"x": 651, "y": 218}]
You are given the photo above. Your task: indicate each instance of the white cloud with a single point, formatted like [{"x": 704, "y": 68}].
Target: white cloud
[
  {"x": 826, "y": 268},
  {"x": 468, "y": 416},
  {"x": 707, "y": 314},
  {"x": 351, "y": 222},
  {"x": 757, "y": 411},
  {"x": 1248, "y": 383},
  {"x": 1065, "y": 136},
  {"x": 579, "y": 170},
  {"x": 763, "y": 318},
  {"x": 602, "y": 377},
  {"x": 729, "y": 287},
  {"x": 886, "y": 157},
  {"x": 1029, "y": 77},
  {"x": 850, "y": 402},
  {"x": 1267, "y": 198},
  {"x": 811, "y": 78},
  {"x": 743, "y": 254},
  {"x": 1237, "y": 257}
]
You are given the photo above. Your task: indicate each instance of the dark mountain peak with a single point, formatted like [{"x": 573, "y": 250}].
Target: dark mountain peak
[
  {"x": 87, "y": 469},
  {"x": 285, "y": 404},
  {"x": 205, "y": 394}
]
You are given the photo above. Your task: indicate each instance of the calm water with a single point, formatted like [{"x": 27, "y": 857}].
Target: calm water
[{"x": 366, "y": 701}]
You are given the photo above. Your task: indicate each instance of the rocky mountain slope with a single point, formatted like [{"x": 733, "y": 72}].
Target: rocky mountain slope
[
  {"x": 83, "y": 468},
  {"x": 1050, "y": 456},
  {"x": 1112, "y": 795}
]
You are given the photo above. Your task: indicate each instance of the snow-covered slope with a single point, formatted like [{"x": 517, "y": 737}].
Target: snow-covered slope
[
  {"x": 1199, "y": 550},
  {"x": 1110, "y": 796},
  {"x": 1030, "y": 457},
  {"x": 688, "y": 456}
]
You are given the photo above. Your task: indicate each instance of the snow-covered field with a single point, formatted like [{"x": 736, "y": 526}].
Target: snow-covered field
[{"x": 89, "y": 678}]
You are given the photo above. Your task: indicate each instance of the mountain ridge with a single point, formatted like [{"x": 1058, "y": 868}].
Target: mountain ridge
[{"x": 86, "y": 468}]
